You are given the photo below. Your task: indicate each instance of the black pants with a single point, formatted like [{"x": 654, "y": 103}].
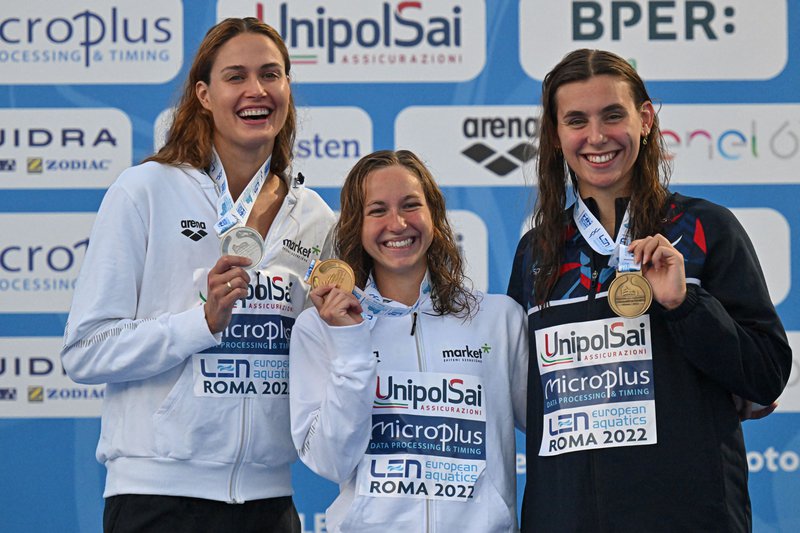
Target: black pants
[{"x": 141, "y": 513}]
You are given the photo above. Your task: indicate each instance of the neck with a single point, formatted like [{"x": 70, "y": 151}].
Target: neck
[
  {"x": 403, "y": 288},
  {"x": 240, "y": 167}
]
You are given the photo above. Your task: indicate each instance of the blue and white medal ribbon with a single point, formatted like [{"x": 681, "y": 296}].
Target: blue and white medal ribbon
[
  {"x": 236, "y": 238},
  {"x": 599, "y": 239}
]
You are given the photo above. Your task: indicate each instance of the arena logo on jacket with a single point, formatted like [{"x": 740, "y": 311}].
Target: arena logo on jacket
[
  {"x": 597, "y": 383},
  {"x": 428, "y": 437}
]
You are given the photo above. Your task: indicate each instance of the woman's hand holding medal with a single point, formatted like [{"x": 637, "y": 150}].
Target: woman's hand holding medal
[
  {"x": 227, "y": 282},
  {"x": 332, "y": 283},
  {"x": 662, "y": 266}
]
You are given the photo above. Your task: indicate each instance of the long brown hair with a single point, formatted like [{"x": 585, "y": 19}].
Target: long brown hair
[
  {"x": 445, "y": 266},
  {"x": 191, "y": 134},
  {"x": 651, "y": 170}
]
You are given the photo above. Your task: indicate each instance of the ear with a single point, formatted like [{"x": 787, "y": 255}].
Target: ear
[
  {"x": 201, "y": 90},
  {"x": 647, "y": 114}
]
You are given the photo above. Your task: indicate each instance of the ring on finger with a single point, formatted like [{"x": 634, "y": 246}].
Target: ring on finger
[{"x": 229, "y": 285}]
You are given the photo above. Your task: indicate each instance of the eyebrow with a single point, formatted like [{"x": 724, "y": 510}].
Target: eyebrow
[
  {"x": 607, "y": 109},
  {"x": 265, "y": 66},
  {"x": 383, "y": 202}
]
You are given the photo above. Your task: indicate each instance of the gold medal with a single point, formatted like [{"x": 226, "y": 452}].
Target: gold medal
[
  {"x": 333, "y": 271},
  {"x": 630, "y": 294}
]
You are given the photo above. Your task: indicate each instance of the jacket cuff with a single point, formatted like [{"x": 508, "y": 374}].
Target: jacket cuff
[{"x": 683, "y": 310}]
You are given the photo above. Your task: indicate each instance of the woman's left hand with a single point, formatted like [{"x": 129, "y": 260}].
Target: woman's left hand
[{"x": 662, "y": 265}]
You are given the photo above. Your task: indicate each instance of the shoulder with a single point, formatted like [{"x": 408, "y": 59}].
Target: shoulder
[
  {"x": 714, "y": 220},
  {"x": 149, "y": 175},
  {"x": 498, "y": 304}
]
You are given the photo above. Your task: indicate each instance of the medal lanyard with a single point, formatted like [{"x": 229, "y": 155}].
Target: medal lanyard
[
  {"x": 601, "y": 242},
  {"x": 232, "y": 213},
  {"x": 373, "y": 304}
]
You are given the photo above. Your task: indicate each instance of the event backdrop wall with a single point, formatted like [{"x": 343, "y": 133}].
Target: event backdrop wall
[{"x": 86, "y": 87}]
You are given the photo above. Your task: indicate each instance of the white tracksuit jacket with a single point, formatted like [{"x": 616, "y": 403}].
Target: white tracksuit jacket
[
  {"x": 174, "y": 421},
  {"x": 373, "y": 405}
]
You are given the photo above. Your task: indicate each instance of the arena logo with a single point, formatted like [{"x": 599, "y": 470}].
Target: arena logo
[
  {"x": 65, "y": 147},
  {"x": 638, "y": 30},
  {"x": 497, "y": 144},
  {"x": 98, "y": 42},
  {"x": 386, "y": 41}
]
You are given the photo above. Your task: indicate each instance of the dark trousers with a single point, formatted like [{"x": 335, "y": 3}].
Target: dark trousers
[{"x": 141, "y": 513}]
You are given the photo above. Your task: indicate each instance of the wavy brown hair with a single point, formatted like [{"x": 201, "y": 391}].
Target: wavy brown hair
[
  {"x": 445, "y": 266},
  {"x": 191, "y": 135},
  {"x": 651, "y": 169}
]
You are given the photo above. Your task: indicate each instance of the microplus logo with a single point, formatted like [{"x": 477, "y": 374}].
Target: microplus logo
[
  {"x": 90, "y": 42},
  {"x": 399, "y": 40}
]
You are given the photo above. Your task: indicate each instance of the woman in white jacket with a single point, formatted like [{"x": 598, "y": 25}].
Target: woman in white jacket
[
  {"x": 408, "y": 395},
  {"x": 190, "y": 337}
]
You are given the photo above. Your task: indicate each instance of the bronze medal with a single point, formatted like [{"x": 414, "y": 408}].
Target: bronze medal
[
  {"x": 630, "y": 294},
  {"x": 333, "y": 271}
]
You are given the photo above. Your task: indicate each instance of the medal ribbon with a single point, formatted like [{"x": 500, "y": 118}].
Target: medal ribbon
[
  {"x": 232, "y": 213},
  {"x": 601, "y": 242}
]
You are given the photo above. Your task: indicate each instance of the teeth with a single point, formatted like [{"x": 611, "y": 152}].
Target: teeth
[
  {"x": 399, "y": 244},
  {"x": 603, "y": 158},
  {"x": 254, "y": 112}
]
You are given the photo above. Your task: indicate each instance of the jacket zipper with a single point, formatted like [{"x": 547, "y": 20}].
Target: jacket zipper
[
  {"x": 592, "y": 285},
  {"x": 237, "y": 465},
  {"x": 416, "y": 332}
]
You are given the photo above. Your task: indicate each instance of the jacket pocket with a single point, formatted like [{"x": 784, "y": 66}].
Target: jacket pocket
[{"x": 191, "y": 427}]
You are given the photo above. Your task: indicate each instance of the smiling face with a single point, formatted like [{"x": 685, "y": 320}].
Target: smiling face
[
  {"x": 248, "y": 96},
  {"x": 397, "y": 229},
  {"x": 599, "y": 132}
]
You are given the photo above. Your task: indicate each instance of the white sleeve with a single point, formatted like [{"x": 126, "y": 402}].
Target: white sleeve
[
  {"x": 332, "y": 378},
  {"x": 518, "y": 363},
  {"x": 104, "y": 341}
]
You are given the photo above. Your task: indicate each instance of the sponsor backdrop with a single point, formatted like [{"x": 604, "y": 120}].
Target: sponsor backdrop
[{"x": 86, "y": 88}]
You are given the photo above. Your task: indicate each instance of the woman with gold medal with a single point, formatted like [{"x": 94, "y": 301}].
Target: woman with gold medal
[{"x": 649, "y": 318}]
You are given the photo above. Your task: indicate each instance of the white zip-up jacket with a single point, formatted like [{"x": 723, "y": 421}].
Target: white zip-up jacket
[
  {"x": 413, "y": 416},
  {"x": 175, "y": 421}
]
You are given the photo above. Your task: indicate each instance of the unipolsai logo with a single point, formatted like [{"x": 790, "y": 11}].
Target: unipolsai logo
[
  {"x": 91, "y": 42},
  {"x": 396, "y": 40}
]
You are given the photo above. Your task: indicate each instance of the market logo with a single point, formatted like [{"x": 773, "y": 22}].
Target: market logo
[
  {"x": 466, "y": 353},
  {"x": 519, "y": 131},
  {"x": 297, "y": 249},
  {"x": 444, "y": 40},
  {"x": 193, "y": 229},
  {"x": 96, "y": 42}
]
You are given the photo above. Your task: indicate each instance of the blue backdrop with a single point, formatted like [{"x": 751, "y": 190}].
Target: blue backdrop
[{"x": 86, "y": 85}]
